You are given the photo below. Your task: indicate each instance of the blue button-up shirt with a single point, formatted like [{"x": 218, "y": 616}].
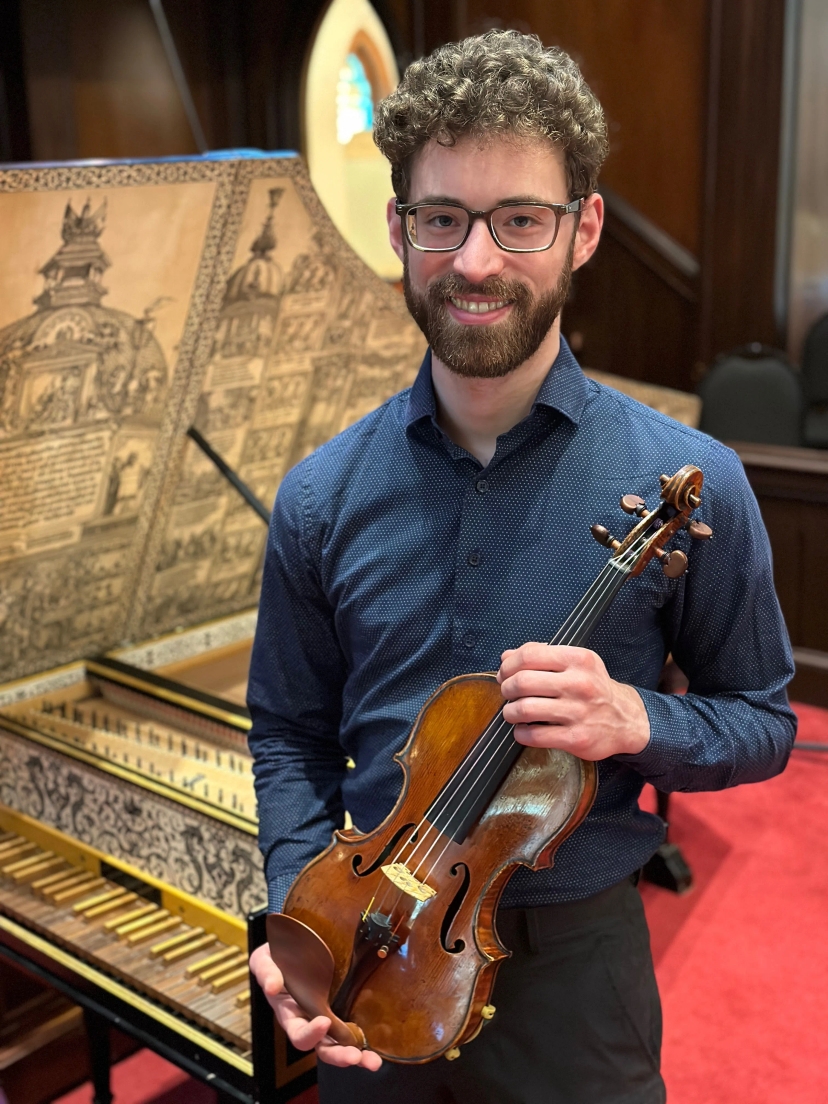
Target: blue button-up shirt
[{"x": 395, "y": 562}]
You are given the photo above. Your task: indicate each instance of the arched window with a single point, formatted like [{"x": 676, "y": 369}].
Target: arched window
[
  {"x": 354, "y": 102},
  {"x": 350, "y": 68}
]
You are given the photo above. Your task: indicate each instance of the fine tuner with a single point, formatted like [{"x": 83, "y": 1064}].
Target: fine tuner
[{"x": 673, "y": 564}]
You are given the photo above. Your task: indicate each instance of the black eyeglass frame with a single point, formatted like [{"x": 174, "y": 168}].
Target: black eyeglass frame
[{"x": 559, "y": 209}]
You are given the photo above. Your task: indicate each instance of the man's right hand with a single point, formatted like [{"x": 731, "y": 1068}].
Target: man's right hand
[{"x": 304, "y": 1034}]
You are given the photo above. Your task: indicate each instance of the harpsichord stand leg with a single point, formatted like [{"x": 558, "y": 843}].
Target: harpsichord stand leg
[
  {"x": 97, "y": 1034},
  {"x": 668, "y": 868}
]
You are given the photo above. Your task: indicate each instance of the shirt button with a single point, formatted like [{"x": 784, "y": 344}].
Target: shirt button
[
  {"x": 473, "y": 559},
  {"x": 481, "y": 486},
  {"x": 469, "y": 640}
]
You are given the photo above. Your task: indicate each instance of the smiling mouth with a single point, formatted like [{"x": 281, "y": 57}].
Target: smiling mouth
[{"x": 477, "y": 307}]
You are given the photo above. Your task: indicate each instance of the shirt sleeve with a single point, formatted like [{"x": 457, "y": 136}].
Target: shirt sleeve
[
  {"x": 726, "y": 632},
  {"x": 297, "y": 673}
]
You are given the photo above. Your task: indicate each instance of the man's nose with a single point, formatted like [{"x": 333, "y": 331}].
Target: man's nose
[{"x": 480, "y": 257}]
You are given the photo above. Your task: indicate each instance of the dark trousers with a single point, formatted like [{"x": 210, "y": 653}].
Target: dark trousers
[{"x": 578, "y": 1019}]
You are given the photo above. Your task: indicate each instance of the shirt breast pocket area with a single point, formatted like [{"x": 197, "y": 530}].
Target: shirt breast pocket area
[{"x": 630, "y": 636}]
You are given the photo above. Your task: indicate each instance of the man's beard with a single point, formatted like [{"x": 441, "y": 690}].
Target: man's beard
[{"x": 486, "y": 352}]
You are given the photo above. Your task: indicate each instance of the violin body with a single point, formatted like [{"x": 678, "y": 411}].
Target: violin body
[{"x": 429, "y": 993}]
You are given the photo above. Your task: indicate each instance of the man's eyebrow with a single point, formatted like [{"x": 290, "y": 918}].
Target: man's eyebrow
[{"x": 454, "y": 201}]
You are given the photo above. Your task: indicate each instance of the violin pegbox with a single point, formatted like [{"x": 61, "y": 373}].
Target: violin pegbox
[{"x": 680, "y": 496}]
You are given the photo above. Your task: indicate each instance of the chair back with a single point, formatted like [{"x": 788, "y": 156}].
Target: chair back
[
  {"x": 815, "y": 384},
  {"x": 815, "y": 362},
  {"x": 752, "y": 394}
]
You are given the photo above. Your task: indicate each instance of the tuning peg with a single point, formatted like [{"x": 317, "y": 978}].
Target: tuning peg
[
  {"x": 698, "y": 530},
  {"x": 603, "y": 536},
  {"x": 664, "y": 480},
  {"x": 632, "y": 504},
  {"x": 673, "y": 564}
]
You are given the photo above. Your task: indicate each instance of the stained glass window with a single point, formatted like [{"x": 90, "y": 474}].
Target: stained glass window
[{"x": 354, "y": 103}]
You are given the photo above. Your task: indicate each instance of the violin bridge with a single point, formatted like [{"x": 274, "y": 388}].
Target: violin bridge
[{"x": 403, "y": 879}]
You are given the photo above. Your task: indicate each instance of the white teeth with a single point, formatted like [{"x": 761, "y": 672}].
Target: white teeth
[{"x": 477, "y": 308}]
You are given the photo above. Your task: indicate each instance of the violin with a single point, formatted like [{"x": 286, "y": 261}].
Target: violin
[{"x": 391, "y": 934}]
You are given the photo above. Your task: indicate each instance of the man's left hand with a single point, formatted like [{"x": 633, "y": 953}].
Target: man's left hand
[{"x": 562, "y": 697}]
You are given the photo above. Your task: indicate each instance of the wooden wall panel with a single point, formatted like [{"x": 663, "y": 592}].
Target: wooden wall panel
[
  {"x": 792, "y": 488},
  {"x": 46, "y": 58},
  {"x": 793, "y": 503},
  {"x": 126, "y": 101},
  {"x": 98, "y": 82},
  {"x": 808, "y": 290},
  {"x": 624, "y": 317},
  {"x": 14, "y": 117},
  {"x": 743, "y": 143},
  {"x": 208, "y": 35},
  {"x": 646, "y": 61}
]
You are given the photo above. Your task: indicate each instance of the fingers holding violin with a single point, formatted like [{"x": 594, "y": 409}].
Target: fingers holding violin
[
  {"x": 551, "y": 658},
  {"x": 312, "y": 1034},
  {"x": 303, "y": 1033},
  {"x": 582, "y": 680},
  {"x": 266, "y": 972},
  {"x": 562, "y": 697},
  {"x": 534, "y": 656},
  {"x": 336, "y": 1055}
]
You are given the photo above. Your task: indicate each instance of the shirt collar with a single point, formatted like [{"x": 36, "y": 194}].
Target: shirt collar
[{"x": 564, "y": 390}]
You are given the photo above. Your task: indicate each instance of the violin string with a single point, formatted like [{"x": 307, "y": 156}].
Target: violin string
[
  {"x": 501, "y": 754},
  {"x": 580, "y": 611},
  {"x": 502, "y": 749},
  {"x": 496, "y": 750},
  {"x": 488, "y": 742},
  {"x": 485, "y": 744},
  {"x": 496, "y": 725},
  {"x": 585, "y": 608},
  {"x": 576, "y": 619}
]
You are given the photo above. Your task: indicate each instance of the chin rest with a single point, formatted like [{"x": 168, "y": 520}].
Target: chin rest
[{"x": 307, "y": 966}]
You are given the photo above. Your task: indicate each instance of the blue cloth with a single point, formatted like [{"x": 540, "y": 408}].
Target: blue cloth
[{"x": 395, "y": 562}]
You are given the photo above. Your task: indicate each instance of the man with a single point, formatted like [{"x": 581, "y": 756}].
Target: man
[{"x": 447, "y": 532}]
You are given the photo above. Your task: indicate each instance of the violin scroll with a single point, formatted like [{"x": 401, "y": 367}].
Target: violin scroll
[{"x": 680, "y": 496}]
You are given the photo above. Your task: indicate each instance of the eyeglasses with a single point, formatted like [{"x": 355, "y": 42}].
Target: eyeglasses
[{"x": 515, "y": 227}]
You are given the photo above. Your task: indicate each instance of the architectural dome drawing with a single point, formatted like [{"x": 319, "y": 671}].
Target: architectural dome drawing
[
  {"x": 74, "y": 361},
  {"x": 251, "y": 300}
]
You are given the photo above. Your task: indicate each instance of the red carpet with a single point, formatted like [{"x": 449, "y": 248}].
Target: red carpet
[
  {"x": 144, "y": 1078},
  {"x": 742, "y": 959}
]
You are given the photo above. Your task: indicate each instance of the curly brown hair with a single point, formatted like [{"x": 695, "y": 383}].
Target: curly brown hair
[{"x": 501, "y": 82}]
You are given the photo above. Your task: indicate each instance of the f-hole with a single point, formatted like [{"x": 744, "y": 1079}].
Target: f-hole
[
  {"x": 383, "y": 855},
  {"x": 459, "y": 897}
]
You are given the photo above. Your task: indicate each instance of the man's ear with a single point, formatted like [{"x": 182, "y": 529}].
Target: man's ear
[
  {"x": 589, "y": 230},
  {"x": 395, "y": 228}
]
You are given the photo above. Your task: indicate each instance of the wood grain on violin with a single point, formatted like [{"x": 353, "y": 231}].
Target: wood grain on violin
[{"x": 392, "y": 934}]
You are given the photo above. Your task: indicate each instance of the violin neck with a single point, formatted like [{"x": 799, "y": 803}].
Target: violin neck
[
  {"x": 461, "y": 802},
  {"x": 577, "y": 628}
]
